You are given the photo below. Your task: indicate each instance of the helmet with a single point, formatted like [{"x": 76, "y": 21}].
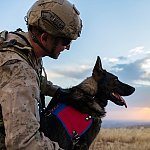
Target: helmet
[{"x": 59, "y": 18}]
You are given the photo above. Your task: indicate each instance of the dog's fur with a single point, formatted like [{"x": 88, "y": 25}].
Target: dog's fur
[{"x": 89, "y": 96}]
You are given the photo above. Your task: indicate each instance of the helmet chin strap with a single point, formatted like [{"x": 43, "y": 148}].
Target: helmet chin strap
[{"x": 50, "y": 54}]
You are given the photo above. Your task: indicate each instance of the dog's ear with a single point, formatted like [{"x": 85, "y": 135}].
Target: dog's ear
[
  {"x": 98, "y": 70},
  {"x": 98, "y": 61},
  {"x": 98, "y": 64}
]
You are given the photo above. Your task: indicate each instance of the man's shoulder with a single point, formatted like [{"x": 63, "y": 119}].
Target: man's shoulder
[{"x": 9, "y": 56}]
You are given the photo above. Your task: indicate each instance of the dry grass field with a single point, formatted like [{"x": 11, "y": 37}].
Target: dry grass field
[{"x": 122, "y": 139}]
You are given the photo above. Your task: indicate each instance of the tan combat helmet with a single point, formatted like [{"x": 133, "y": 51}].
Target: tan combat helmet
[{"x": 59, "y": 18}]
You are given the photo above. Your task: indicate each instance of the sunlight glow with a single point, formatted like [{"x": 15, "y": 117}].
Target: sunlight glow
[{"x": 136, "y": 113}]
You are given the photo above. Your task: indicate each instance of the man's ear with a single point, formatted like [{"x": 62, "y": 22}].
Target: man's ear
[{"x": 44, "y": 37}]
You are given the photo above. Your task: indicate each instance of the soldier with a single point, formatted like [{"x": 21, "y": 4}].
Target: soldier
[{"x": 52, "y": 25}]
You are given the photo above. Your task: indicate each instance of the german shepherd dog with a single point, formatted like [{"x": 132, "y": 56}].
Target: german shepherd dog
[{"x": 90, "y": 98}]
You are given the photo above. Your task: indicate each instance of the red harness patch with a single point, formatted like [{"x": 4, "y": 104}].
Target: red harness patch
[{"x": 73, "y": 121}]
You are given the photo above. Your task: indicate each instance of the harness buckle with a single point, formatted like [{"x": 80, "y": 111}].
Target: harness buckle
[{"x": 75, "y": 138}]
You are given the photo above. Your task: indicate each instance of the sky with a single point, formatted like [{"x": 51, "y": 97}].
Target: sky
[{"x": 116, "y": 30}]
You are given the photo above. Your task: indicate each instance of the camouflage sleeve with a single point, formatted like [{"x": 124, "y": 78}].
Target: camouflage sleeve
[{"x": 19, "y": 95}]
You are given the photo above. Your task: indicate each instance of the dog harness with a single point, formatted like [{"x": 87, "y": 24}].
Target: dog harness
[{"x": 74, "y": 122}]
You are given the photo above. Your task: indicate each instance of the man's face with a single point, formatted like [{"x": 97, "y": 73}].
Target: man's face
[{"x": 56, "y": 45}]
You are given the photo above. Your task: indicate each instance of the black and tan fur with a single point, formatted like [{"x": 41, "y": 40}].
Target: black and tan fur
[{"x": 89, "y": 96}]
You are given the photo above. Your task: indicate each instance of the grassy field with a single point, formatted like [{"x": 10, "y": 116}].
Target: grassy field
[{"x": 122, "y": 139}]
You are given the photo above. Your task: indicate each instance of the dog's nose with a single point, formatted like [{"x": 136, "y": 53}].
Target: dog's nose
[{"x": 132, "y": 90}]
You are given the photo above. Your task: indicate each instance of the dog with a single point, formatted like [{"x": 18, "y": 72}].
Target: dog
[{"x": 74, "y": 125}]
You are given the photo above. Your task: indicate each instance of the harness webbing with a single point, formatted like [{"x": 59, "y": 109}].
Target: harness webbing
[{"x": 23, "y": 37}]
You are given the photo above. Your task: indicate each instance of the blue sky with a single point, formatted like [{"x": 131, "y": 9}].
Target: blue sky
[{"x": 116, "y": 30}]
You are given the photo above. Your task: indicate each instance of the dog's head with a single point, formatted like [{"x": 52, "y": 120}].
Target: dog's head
[{"x": 109, "y": 86}]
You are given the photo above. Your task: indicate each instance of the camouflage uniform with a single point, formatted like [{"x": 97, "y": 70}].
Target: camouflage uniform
[{"x": 19, "y": 98}]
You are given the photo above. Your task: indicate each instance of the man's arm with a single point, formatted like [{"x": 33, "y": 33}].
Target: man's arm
[{"x": 19, "y": 96}]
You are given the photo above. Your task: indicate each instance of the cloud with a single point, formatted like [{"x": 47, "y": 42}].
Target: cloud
[
  {"x": 132, "y": 55},
  {"x": 72, "y": 71},
  {"x": 146, "y": 67},
  {"x": 127, "y": 71},
  {"x": 134, "y": 68},
  {"x": 52, "y": 75},
  {"x": 142, "y": 82},
  {"x": 136, "y": 51},
  {"x": 137, "y": 72},
  {"x": 111, "y": 60},
  {"x": 67, "y": 76}
]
